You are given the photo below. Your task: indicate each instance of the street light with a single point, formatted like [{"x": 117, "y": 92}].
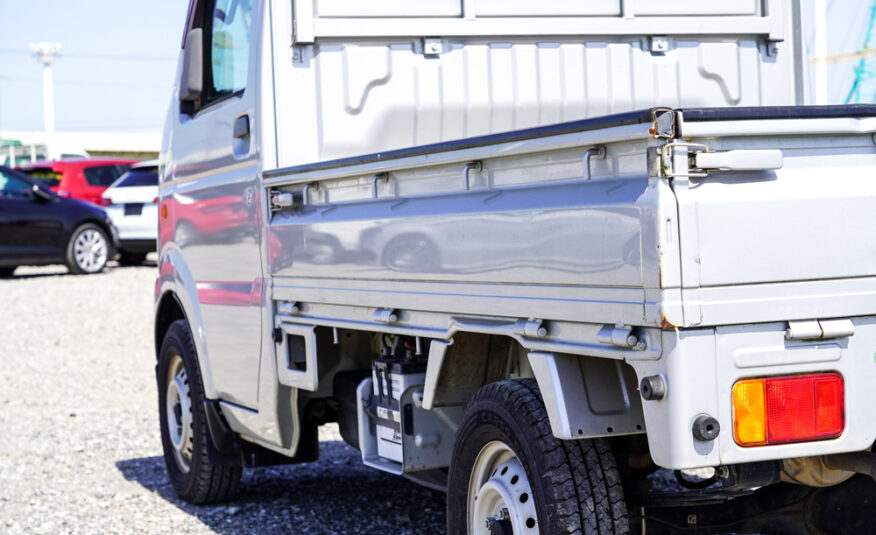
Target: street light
[{"x": 46, "y": 53}]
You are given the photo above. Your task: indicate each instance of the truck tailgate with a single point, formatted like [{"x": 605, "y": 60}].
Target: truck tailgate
[{"x": 794, "y": 242}]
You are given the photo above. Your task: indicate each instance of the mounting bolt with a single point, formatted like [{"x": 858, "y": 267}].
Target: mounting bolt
[
  {"x": 706, "y": 428},
  {"x": 653, "y": 388},
  {"x": 432, "y": 47}
]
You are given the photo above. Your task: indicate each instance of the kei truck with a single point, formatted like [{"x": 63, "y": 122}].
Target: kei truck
[{"x": 530, "y": 253}]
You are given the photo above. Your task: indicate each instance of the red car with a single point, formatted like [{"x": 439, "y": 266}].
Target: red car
[{"x": 80, "y": 178}]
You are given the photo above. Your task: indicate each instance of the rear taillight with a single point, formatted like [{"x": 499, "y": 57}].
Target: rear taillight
[
  {"x": 155, "y": 200},
  {"x": 781, "y": 410},
  {"x": 104, "y": 201},
  {"x": 63, "y": 193}
]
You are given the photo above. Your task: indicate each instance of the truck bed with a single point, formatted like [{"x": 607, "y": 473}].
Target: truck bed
[{"x": 532, "y": 236}]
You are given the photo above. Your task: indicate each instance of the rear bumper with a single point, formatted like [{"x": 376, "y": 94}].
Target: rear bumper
[
  {"x": 700, "y": 367},
  {"x": 137, "y": 246}
]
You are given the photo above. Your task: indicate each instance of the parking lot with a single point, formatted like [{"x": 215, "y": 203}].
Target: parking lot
[{"x": 80, "y": 449}]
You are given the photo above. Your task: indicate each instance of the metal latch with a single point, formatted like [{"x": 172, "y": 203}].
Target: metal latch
[
  {"x": 385, "y": 315},
  {"x": 531, "y": 328},
  {"x": 620, "y": 336},
  {"x": 700, "y": 161},
  {"x": 281, "y": 200},
  {"x": 819, "y": 329}
]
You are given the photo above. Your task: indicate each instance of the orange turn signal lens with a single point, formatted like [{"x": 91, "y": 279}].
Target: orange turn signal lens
[
  {"x": 749, "y": 412},
  {"x": 782, "y": 410},
  {"x": 163, "y": 211}
]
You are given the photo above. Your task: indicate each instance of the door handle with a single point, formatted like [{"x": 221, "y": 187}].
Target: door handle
[{"x": 241, "y": 127}]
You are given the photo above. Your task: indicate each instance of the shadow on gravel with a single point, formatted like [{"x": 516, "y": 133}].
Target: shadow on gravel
[
  {"x": 336, "y": 494},
  {"x": 41, "y": 272}
]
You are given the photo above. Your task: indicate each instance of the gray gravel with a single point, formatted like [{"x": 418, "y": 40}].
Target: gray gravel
[{"x": 79, "y": 442}]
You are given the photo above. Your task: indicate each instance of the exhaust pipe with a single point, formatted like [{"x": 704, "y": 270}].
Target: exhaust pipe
[{"x": 862, "y": 462}]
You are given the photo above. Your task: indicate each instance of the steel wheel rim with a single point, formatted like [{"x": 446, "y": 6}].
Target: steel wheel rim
[
  {"x": 499, "y": 491},
  {"x": 90, "y": 250},
  {"x": 178, "y": 413}
]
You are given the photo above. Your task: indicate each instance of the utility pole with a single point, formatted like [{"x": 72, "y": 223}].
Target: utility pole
[{"x": 46, "y": 53}]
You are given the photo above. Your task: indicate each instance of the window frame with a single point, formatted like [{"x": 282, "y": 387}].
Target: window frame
[{"x": 201, "y": 16}]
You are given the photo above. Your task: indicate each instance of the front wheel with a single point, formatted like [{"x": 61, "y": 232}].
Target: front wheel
[
  {"x": 184, "y": 432},
  {"x": 88, "y": 250},
  {"x": 509, "y": 474}
]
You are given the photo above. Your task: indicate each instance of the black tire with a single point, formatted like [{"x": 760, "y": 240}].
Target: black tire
[
  {"x": 575, "y": 484},
  {"x": 131, "y": 259},
  {"x": 88, "y": 250},
  {"x": 7, "y": 271},
  {"x": 193, "y": 477}
]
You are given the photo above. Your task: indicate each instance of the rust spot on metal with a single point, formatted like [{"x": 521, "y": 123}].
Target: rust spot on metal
[{"x": 665, "y": 323}]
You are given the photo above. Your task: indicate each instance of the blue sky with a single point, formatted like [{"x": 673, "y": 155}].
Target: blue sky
[
  {"x": 116, "y": 68},
  {"x": 115, "y": 71}
]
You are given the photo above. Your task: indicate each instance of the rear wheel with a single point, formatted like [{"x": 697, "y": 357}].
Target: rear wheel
[
  {"x": 509, "y": 474},
  {"x": 131, "y": 259},
  {"x": 184, "y": 432},
  {"x": 88, "y": 249}
]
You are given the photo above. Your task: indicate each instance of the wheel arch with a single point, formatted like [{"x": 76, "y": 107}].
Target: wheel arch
[
  {"x": 111, "y": 242},
  {"x": 168, "y": 310},
  {"x": 585, "y": 397},
  {"x": 176, "y": 297}
]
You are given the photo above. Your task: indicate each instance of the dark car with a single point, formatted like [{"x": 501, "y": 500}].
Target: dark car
[{"x": 38, "y": 227}]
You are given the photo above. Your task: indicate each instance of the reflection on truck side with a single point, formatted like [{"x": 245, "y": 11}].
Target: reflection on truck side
[{"x": 520, "y": 231}]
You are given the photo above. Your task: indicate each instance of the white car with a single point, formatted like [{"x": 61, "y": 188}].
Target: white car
[{"x": 132, "y": 204}]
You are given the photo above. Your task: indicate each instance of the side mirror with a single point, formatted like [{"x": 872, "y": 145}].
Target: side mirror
[
  {"x": 40, "y": 194},
  {"x": 191, "y": 84}
]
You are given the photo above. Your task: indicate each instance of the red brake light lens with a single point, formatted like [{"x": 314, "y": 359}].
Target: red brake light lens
[{"x": 796, "y": 408}]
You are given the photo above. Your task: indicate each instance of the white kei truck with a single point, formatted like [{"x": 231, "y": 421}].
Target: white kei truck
[{"x": 526, "y": 252}]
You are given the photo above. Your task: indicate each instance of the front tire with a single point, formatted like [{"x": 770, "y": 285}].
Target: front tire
[
  {"x": 184, "y": 432},
  {"x": 88, "y": 250},
  {"x": 509, "y": 474}
]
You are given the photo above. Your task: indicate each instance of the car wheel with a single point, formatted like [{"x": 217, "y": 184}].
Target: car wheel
[
  {"x": 184, "y": 432},
  {"x": 7, "y": 271},
  {"x": 411, "y": 252},
  {"x": 131, "y": 259},
  {"x": 88, "y": 249},
  {"x": 509, "y": 474}
]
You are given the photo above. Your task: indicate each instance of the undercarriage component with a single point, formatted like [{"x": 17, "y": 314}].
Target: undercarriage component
[
  {"x": 813, "y": 472},
  {"x": 862, "y": 462}
]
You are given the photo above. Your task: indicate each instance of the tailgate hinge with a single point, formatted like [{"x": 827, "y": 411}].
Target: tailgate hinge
[
  {"x": 819, "y": 329},
  {"x": 680, "y": 159}
]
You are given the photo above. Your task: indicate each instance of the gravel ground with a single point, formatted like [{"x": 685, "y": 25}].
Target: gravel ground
[{"x": 80, "y": 450}]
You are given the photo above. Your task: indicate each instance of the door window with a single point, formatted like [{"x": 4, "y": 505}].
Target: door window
[
  {"x": 141, "y": 176},
  {"x": 13, "y": 187},
  {"x": 229, "y": 47},
  {"x": 102, "y": 175}
]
